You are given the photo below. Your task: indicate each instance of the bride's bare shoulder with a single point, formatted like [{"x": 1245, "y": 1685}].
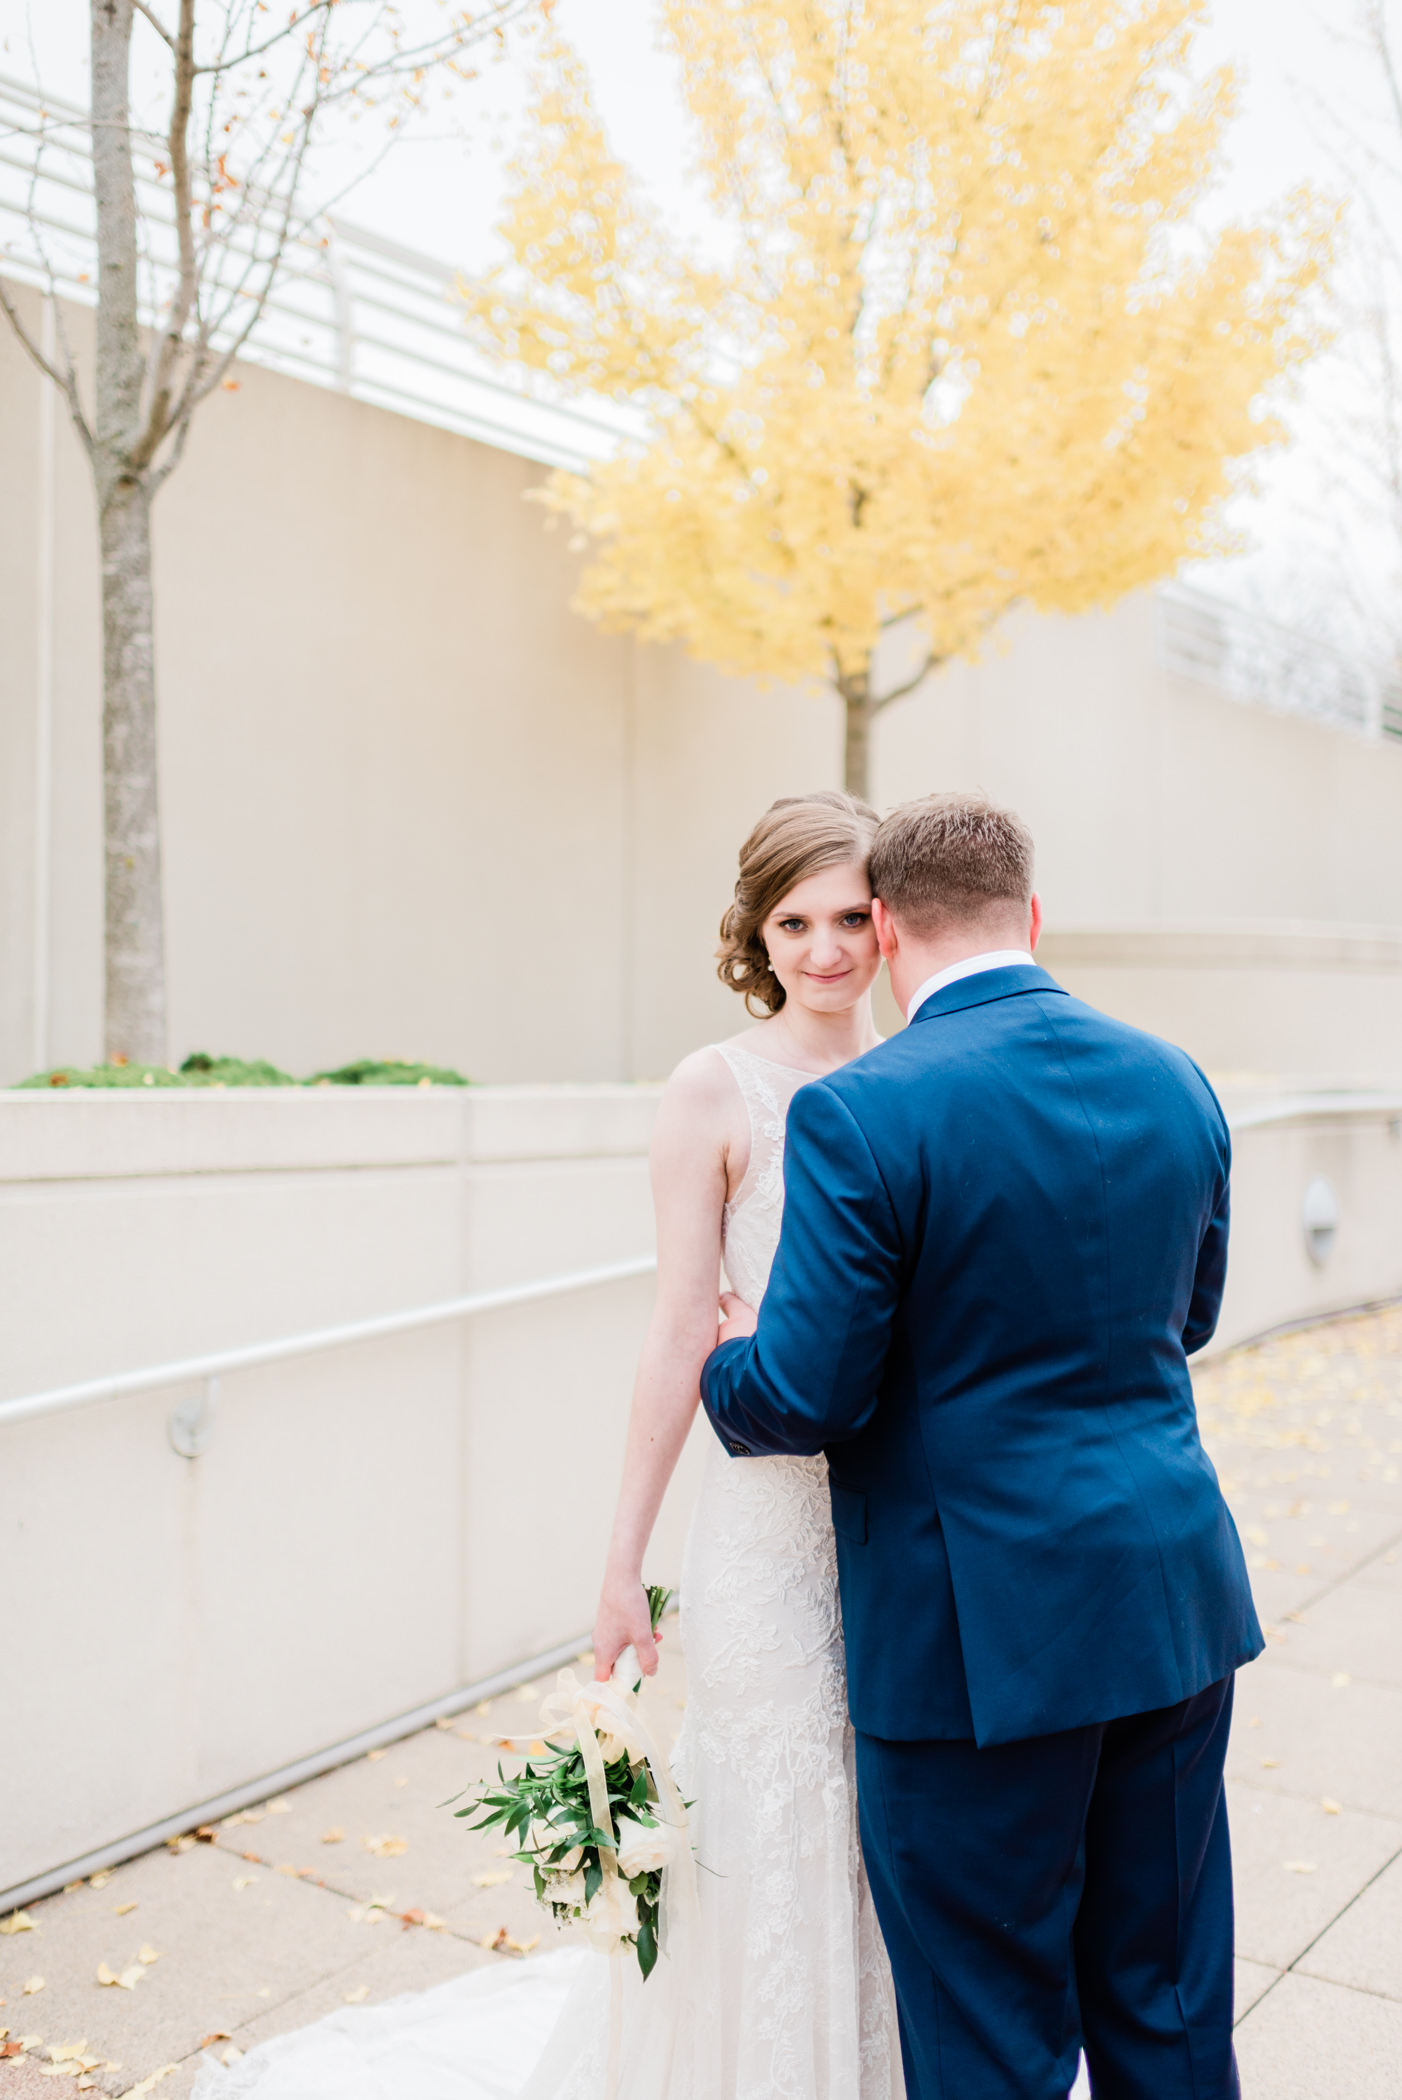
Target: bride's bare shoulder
[{"x": 701, "y": 1082}]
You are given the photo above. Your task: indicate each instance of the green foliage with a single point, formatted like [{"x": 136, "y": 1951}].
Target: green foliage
[
  {"x": 388, "y": 1071},
  {"x": 202, "y": 1070},
  {"x": 106, "y": 1076},
  {"x": 556, "y": 1795}
]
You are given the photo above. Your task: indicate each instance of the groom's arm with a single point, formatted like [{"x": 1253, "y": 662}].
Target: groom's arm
[
  {"x": 1210, "y": 1277},
  {"x": 809, "y": 1375}
]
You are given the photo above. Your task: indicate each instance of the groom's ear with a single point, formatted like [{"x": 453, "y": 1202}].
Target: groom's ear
[
  {"x": 885, "y": 927},
  {"x": 1035, "y": 932}
]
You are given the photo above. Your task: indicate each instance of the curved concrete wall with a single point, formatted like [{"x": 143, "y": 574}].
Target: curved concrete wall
[{"x": 375, "y": 1525}]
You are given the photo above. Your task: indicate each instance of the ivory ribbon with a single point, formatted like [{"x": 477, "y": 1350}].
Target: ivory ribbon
[{"x": 588, "y": 1708}]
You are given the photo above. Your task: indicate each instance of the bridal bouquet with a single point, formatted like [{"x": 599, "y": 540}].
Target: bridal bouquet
[{"x": 600, "y": 1820}]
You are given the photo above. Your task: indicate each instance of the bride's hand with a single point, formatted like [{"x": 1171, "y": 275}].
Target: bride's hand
[
  {"x": 736, "y": 1318},
  {"x": 623, "y": 1619}
]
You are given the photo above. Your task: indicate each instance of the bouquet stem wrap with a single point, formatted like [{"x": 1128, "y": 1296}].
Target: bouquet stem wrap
[{"x": 611, "y": 1709}]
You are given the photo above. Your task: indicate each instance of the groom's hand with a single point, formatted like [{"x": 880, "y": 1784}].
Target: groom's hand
[{"x": 736, "y": 1318}]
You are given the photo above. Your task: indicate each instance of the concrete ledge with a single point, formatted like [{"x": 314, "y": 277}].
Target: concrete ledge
[
  {"x": 99, "y": 1135},
  {"x": 1240, "y": 945}
]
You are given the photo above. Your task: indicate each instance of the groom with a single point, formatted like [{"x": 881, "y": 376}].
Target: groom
[{"x": 1004, "y": 1231}]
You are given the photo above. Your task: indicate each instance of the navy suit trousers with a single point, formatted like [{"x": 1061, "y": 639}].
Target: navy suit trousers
[{"x": 1069, "y": 1890}]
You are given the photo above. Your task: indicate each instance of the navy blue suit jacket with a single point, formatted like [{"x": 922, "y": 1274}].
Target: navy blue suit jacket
[{"x": 1004, "y": 1230}]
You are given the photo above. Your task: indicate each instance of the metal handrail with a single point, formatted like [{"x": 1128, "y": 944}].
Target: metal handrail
[{"x": 195, "y": 1369}]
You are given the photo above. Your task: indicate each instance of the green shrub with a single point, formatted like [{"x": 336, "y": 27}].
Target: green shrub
[
  {"x": 388, "y": 1071},
  {"x": 202, "y": 1070}
]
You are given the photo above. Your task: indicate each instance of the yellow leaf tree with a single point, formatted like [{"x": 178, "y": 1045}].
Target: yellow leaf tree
[{"x": 965, "y": 349}]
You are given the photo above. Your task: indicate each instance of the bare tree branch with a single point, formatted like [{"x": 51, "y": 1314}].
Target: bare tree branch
[{"x": 931, "y": 663}]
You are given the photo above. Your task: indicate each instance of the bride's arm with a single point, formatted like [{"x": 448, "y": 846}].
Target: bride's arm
[{"x": 690, "y": 1149}]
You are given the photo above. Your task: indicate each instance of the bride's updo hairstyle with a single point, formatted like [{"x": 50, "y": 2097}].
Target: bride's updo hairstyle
[{"x": 793, "y": 839}]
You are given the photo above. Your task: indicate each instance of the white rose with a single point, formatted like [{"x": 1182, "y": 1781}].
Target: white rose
[
  {"x": 611, "y": 1917},
  {"x": 641, "y": 1850},
  {"x": 565, "y": 1888}
]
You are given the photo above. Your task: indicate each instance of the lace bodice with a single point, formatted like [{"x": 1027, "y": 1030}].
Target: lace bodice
[{"x": 753, "y": 1217}]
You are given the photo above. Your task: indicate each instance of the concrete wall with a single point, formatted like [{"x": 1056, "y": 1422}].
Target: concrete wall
[
  {"x": 375, "y": 1525},
  {"x": 414, "y": 805},
  {"x": 371, "y": 1526}
]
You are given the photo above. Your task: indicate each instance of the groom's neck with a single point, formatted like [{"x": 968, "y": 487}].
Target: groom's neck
[{"x": 914, "y": 958}]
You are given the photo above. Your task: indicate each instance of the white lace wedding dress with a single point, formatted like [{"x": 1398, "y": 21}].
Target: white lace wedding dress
[{"x": 788, "y": 1996}]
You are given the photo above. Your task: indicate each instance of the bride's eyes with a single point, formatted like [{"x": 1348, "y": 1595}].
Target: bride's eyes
[
  {"x": 793, "y": 925},
  {"x": 855, "y": 918}
]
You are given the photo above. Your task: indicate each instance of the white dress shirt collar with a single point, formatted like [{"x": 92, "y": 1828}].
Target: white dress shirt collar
[{"x": 996, "y": 959}]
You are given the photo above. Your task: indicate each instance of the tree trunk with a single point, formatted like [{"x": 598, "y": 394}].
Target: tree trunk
[
  {"x": 135, "y": 945},
  {"x": 135, "y": 948},
  {"x": 855, "y": 688}
]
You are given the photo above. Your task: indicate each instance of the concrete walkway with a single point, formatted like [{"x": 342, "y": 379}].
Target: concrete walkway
[{"x": 360, "y": 1885}]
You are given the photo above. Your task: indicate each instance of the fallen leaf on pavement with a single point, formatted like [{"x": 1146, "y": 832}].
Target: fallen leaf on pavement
[
  {"x": 334, "y": 1836},
  {"x": 1330, "y": 1806},
  {"x": 433, "y": 1923},
  {"x": 125, "y": 1909},
  {"x": 31, "y": 1986},
  {"x": 127, "y": 1981},
  {"x": 523, "y": 1946},
  {"x": 220, "y": 2034},
  {"x": 1270, "y": 1764},
  {"x": 60, "y": 2070},
  {"x": 244, "y": 1881},
  {"x": 359, "y": 1995},
  {"x": 1340, "y": 1679},
  {"x": 148, "y": 1954},
  {"x": 59, "y": 2052},
  {"x": 18, "y": 1921},
  {"x": 386, "y": 1847},
  {"x": 281, "y": 1807},
  {"x": 372, "y": 1757},
  {"x": 100, "y": 1881},
  {"x": 134, "y": 2092},
  {"x": 286, "y": 1869},
  {"x": 1299, "y": 1866},
  {"x": 232, "y": 2056},
  {"x": 494, "y": 1941},
  {"x": 489, "y": 1881}
]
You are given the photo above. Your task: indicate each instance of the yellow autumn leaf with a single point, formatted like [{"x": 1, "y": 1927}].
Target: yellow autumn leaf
[
  {"x": 1340, "y": 1679},
  {"x": 124, "y": 1910},
  {"x": 1330, "y": 1806},
  {"x": 148, "y": 1954},
  {"x": 1299, "y": 1866},
  {"x": 358, "y": 1995},
  {"x": 18, "y": 1921},
  {"x": 100, "y": 1881},
  {"x": 523, "y": 1946},
  {"x": 31, "y": 1987},
  {"x": 60, "y": 2070},
  {"x": 491, "y": 1879},
  {"x": 136, "y": 2092},
  {"x": 281, "y": 1807},
  {"x": 60, "y": 2052},
  {"x": 334, "y": 1836},
  {"x": 386, "y": 1847}
]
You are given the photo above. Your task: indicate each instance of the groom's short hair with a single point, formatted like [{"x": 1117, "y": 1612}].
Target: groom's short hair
[{"x": 950, "y": 858}]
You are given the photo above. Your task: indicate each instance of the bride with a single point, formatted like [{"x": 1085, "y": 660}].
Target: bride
[{"x": 786, "y": 1994}]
